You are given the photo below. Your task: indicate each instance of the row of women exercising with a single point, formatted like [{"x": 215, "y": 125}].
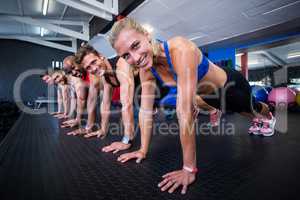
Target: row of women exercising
[{"x": 177, "y": 64}]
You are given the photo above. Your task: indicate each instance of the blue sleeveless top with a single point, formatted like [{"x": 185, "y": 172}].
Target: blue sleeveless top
[
  {"x": 171, "y": 96},
  {"x": 202, "y": 67}
]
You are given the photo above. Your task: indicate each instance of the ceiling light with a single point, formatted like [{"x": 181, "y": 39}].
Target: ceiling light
[
  {"x": 196, "y": 37},
  {"x": 293, "y": 55},
  {"x": 45, "y": 7},
  {"x": 148, "y": 27}
]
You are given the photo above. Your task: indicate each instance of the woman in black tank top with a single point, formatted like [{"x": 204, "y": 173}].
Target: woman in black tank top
[{"x": 111, "y": 77}]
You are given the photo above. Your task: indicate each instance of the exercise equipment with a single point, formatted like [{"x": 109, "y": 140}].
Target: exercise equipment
[
  {"x": 282, "y": 96},
  {"x": 259, "y": 93}
]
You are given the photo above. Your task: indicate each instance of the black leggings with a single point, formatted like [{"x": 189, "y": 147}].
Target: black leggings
[{"x": 237, "y": 95}]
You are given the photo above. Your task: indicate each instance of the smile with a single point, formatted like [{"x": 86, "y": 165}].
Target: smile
[{"x": 143, "y": 61}]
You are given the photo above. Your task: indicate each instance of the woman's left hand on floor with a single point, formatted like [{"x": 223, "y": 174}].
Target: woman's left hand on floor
[{"x": 173, "y": 180}]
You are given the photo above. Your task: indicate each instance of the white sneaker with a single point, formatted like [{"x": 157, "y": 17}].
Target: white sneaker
[
  {"x": 255, "y": 126},
  {"x": 268, "y": 126}
]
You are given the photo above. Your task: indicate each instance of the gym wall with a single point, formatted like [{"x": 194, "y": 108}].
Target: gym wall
[
  {"x": 221, "y": 55},
  {"x": 16, "y": 57}
]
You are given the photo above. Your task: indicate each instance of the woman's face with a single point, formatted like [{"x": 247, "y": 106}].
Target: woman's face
[
  {"x": 94, "y": 64},
  {"x": 135, "y": 48}
]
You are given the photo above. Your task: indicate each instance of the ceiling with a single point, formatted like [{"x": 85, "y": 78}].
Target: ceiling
[
  {"x": 33, "y": 8},
  {"x": 65, "y": 20},
  {"x": 216, "y": 24},
  {"x": 206, "y": 22},
  {"x": 211, "y": 21}
]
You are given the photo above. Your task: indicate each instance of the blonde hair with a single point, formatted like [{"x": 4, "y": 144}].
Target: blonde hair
[{"x": 129, "y": 23}]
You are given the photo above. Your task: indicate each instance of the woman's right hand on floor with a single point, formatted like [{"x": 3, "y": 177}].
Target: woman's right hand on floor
[
  {"x": 99, "y": 133},
  {"x": 70, "y": 124},
  {"x": 69, "y": 121},
  {"x": 139, "y": 155},
  {"x": 79, "y": 131}
]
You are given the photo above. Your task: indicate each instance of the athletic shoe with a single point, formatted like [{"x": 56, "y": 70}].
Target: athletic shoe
[
  {"x": 268, "y": 126},
  {"x": 215, "y": 118},
  {"x": 255, "y": 126}
]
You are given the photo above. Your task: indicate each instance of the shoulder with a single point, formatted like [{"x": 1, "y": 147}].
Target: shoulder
[
  {"x": 123, "y": 68},
  {"x": 180, "y": 41},
  {"x": 121, "y": 62},
  {"x": 181, "y": 44}
]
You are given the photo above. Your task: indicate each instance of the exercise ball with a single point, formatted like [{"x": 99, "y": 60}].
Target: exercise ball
[
  {"x": 259, "y": 93},
  {"x": 282, "y": 96},
  {"x": 294, "y": 89}
]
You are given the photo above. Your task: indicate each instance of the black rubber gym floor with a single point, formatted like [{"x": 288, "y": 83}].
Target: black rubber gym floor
[{"x": 39, "y": 161}]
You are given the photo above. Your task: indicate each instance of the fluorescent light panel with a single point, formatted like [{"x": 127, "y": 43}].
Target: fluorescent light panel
[
  {"x": 293, "y": 55},
  {"x": 45, "y": 7}
]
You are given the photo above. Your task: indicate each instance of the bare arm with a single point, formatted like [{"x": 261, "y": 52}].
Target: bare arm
[
  {"x": 72, "y": 102},
  {"x": 185, "y": 58},
  {"x": 92, "y": 100},
  {"x": 146, "y": 110},
  {"x": 66, "y": 99},
  {"x": 105, "y": 105},
  {"x": 145, "y": 117},
  {"x": 59, "y": 99},
  {"x": 185, "y": 66},
  {"x": 81, "y": 99},
  {"x": 126, "y": 79}
]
